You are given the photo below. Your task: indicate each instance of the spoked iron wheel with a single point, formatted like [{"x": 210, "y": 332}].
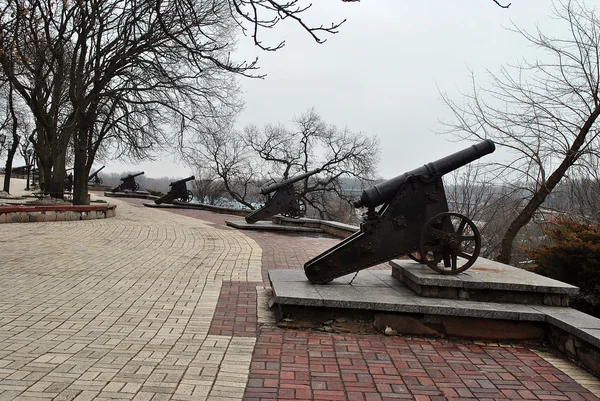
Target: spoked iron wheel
[
  {"x": 297, "y": 209},
  {"x": 450, "y": 238},
  {"x": 188, "y": 197}
]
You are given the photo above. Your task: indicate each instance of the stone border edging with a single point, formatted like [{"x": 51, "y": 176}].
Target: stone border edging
[
  {"x": 334, "y": 228},
  {"x": 129, "y": 195},
  {"x": 48, "y": 213},
  {"x": 269, "y": 226},
  {"x": 200, "y": 206}
]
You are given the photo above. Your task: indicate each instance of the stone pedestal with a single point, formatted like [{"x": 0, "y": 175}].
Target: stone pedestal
[{"x": 486, "y": 281}]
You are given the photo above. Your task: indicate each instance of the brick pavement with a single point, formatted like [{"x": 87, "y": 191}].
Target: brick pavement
[
  {"x": 120, "y": 308},
  {"x": 153, "y": 305},
  {"x": 305, "y": 365}
]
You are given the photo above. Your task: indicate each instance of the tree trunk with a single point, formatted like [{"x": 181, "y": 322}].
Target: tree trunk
[
  {"x": 45, "y": 172},
  {"x": 9, "y": 160},
  {"x": 80, "y": 174},
  {"x": 56, "y": 183},
  {"x": 519, "y": 222},
  {"x": 540, "y": 195},
  {"x": 15, "y": 142}
]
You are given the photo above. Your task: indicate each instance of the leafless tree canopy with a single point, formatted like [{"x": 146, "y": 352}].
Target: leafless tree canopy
[
  {"x": 127, "y": 76},
  {"x": 311, "y": 143},
  {"x": 260, "y": 156},
  {"x": 544, "y": 111}
]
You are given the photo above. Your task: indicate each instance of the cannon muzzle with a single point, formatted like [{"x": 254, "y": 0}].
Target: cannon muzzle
[
  {"x": 132, "y": 176},
  {"x": 190, "y": 178},
  {"x": 385, "y": 191},
  {"x": 279, "y": 185}
]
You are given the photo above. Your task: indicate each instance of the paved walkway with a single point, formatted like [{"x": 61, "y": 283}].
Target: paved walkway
[
  {"x": 120, "y": 308},
  {"x": 159, "y": 305}
]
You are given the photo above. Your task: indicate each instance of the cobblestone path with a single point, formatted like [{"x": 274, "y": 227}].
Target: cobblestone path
[{"x": 121, "y": 308}]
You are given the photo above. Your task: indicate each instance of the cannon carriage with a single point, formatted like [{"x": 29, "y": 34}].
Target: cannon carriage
[
  {"x": 282, "y": 199},
  {"x": 128, "y": 183},
  {"x": 408, "y": 215},
  {"x": 178, "y": 191}
]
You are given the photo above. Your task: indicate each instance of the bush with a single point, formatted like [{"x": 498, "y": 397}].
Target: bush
[{"x": 573, "y": 256}]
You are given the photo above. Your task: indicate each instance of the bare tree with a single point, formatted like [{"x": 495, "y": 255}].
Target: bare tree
[
  {"x": 221, "y": 148},
  {"x": 577, "y": 198},
  {"x": 245, "y": 162},
  {"x": 127, "y": 72},
  {"x": 14, "y": 123},
  {"x": 208, "y": 187},
  {"x": 544, "y": 112},
  {"x": 345, "y": 158}
]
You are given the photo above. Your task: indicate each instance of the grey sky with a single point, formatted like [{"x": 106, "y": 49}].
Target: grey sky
[{"x": 381, "y": 73}]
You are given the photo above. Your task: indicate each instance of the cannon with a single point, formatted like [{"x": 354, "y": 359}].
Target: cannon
[
  {"x": 128, "y": 183},
  {"x": 284, "y": 200},
  {"x": 94, "y": 177},
  {"x": 68, "y": 181},
  {"x": 178, "y": 191},
  {"x": 412, "y": 220}
]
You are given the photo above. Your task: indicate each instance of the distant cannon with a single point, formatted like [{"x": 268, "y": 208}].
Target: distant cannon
[
  {"x": 413, "y": 220},
  {"x": 178, "y": 191},
  {"x": 128, "y": 183},
  {"x": 285, "y": 200},
  {"x": 68, "y": 181},
  {"x": 94, "y": 177}
]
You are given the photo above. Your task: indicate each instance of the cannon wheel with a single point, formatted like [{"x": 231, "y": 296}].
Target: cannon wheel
[
  {"x": 136, "y": 186},
  {"x": 446, "y": 238},
  {"x": 188, "y": 197},
  {"x": 297, "y": 209}
]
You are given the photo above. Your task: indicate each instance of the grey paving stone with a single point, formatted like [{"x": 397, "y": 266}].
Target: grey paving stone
[
  {"x": 296, "y": 293},
  {"x": 388, "y": 299},
  {"x": 287, "y": 275},
  {"x": 570, "y": 320},
  {"x": 483, "y": 275},
  {"x": 366, "y": 278},
  {"x": 592, "y": 336}
]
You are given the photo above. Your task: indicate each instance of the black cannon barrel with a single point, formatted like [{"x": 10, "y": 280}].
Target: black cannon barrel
[
  {"x": 131, "y": 176},
  {"x": 278, "y": 185},
  {"x": 385, "y": 191},
  {"x": 190, "y": 178},
  {"x": 95, "y": 173}
]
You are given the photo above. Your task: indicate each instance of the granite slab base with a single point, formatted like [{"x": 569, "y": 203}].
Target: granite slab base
[
  {"x": 270, "y": 226},
  {"x": 487, "y": 281},
  {"x": 377, "y": 290}
]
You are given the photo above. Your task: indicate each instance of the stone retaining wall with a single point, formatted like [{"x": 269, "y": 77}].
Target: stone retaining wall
[
  {"x": 201, "y": 206},
  {"x": 334, "y": 228},
  {"x": 31, "y": 214}
]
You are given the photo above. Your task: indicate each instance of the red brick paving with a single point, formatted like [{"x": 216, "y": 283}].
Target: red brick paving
[
  {"x": 235, "y": 314},
  {"x": 306, "y": 365},
  {"x": 295, "y": 365}
]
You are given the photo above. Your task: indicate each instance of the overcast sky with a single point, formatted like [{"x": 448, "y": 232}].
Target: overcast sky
[{"x": 380, "y": 74}]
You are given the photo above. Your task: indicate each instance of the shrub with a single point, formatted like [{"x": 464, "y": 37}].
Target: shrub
[{"x": 573, "y": 256}]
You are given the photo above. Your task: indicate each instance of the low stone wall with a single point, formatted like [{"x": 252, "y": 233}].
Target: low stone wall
[
  {"x": 334, "y": 228},
  {"x": 201, "y": 206},
  {"x": 133, "y": 194},
  {"x": 38, "y": 213}
]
